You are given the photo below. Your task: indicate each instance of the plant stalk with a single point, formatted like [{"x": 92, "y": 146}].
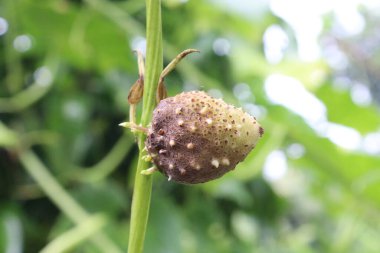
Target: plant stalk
[
  {"x": 143, "y": 183},
  {"x": 62, "y": 198}
]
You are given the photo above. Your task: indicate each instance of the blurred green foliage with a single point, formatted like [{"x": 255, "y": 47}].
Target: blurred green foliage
[{"x": 62, "y": 97}]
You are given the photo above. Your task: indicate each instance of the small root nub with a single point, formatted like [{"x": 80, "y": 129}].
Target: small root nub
[
  {"x": 180, "y": 122},
  {"x": 203, "y": 110},
  {"x": 178, "y": 110},
  {"x": 149, "y": 171},
  {"x": 215, "y": 163},
  {"x": 193, "y": 129},
  {"x": 147, "y": 158},
  {"x": 225, "y": 161},
  {"x": 134, "y": 127}
]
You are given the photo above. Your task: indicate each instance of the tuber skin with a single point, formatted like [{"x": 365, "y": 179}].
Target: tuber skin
[{"x": 194, "y": 138}]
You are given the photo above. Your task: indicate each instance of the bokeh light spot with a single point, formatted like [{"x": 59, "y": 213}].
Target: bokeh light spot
[
  {"x": 22, "y": 43},
  {"x": 275, "y": 166},
  {"x": 242, "y": 91},
  {"x": 3, "y": 26},
  {"x": 290, "y": 93},
  {"x": 275, "y": 42},
  {"x": 221, "y": 46},
  {"x": 361, "y": 95},
  {"x": 295, "y": 150},
  {"x": 43, "y": 76}
]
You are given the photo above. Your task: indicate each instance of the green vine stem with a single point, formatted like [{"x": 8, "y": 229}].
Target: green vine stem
[
  {"x": 62, "y": 198},
  {"x": 143, "y": 184},
  {"x": 30, "y": 95},
  {"x": 106, "y": 165},
  {"x": 71, "y": 238}
]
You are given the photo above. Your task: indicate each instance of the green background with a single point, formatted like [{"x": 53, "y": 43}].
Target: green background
[{"x": 62, "y": 98}]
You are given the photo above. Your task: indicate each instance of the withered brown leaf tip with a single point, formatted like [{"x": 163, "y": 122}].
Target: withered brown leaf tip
[{"x": 195, "y": 138}]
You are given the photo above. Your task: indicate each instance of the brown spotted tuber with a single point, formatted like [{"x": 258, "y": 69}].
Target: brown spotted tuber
[{"x": 195, "y": 138}]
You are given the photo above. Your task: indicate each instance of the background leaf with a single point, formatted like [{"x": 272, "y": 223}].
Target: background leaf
[{"x": 65, "y": 71}]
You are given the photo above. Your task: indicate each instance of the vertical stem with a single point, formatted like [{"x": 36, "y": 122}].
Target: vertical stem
[
  {"x": 143, "y": 183},
  {"x": 153, "y": 65}
]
